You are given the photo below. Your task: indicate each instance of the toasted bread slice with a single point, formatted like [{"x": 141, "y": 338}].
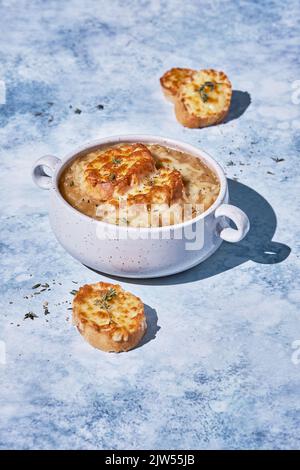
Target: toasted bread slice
[
  {"x": 171, "y": 81},
  {"x": 108, "y": 317},
  {"x": 163, "y": 187},
  {"x": 114, "y": 171},
  {"x": 204, "y": 99}
]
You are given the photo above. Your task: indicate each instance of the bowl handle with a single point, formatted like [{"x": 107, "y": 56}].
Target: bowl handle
[
  {"x": 238, "y": 217},
  {"x": 40, "y": 177}
]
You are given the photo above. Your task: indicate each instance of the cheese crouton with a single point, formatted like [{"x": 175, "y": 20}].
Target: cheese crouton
[
  {"x": 115, "y": 170},
  {"x": 204, "y": 99},
  {"x": 108, "y": 317}
]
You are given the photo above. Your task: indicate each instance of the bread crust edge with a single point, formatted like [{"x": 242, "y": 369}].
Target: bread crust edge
[
  {"x": 193, "y": 122},
  {"x": 102, "y": 339},
  {"x": 168, "y": 94}
]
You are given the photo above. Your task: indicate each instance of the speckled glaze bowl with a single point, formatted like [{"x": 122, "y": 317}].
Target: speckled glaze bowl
[{"x": 139, "y": 252}]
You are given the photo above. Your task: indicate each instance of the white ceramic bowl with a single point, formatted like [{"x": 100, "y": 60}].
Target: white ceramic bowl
[{"x": 139, "y": 252}]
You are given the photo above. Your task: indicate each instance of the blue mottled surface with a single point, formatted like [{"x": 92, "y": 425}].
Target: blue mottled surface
[{"x": 219, "y": 372}]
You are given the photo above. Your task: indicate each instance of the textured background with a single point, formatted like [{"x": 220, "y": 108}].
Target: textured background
[{"x": 216, "y": 369}]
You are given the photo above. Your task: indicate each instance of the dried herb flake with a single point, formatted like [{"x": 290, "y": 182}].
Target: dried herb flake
[
  {"x": 103, "y": 302},
  {"x": 30, "y": 315},
  {"x": 205, "y": 89}
]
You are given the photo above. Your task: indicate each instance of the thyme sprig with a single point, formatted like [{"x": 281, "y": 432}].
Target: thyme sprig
[
  {"x": 103, "y": 302},
  {"x": 205, "y": 89}
]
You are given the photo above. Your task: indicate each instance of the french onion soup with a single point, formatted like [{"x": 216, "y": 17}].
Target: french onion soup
[{"x": 139, "y": 185}]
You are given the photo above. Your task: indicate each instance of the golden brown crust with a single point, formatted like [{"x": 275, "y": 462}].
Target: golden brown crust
[
  {"x": 164, "y": 187},
  {"x": 116, "y": 169},
  {"x": 204, "y": 99},
  {"x": 108, "y": 317},
  {"x": 171, "y": 81}
]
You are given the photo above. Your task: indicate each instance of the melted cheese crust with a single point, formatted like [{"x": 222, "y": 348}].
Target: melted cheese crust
[
  {"x": 201, "y": 184},
  {"x": 172, "y": 80},
  {"x": 115, "y": 170},
  {"x": 177, "y": 179},
  {"x": 118, "y": 318},
  {"x": 163, "y": 186},
  {"x": 213, "y": 99}
]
